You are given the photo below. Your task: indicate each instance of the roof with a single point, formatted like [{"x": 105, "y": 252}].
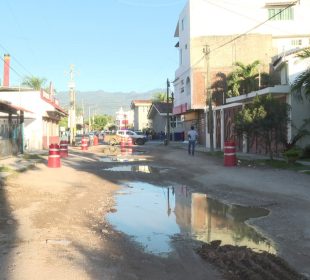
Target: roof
[
  {"x": 135, "y": 103},
  {"x": 161, "y": 108},
  {"x": 10, "y": 88},
  {"x": 54, "y": 104},
  {"x": 10, "y": 108},
  {"x": 282, "y": 58},
  {"x": 275, "y": 90}
]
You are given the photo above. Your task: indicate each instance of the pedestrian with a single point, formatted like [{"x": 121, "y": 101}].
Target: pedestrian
[{"x": 192, "y": 138}]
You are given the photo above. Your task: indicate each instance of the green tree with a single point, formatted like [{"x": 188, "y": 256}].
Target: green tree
[
  {"x": 159, "y": 97},
  {"x": 64, "y": 122},
  {"x": 233, "y": 84},
  {"x": 244, "y": 78},
  {"x": 100, "y": 122},
  {"x": 300, "y": 133},
  {"x": 34, "y": 82},
  {"x": 265, "y": 119},
  {"x": 302, "y": 82}
]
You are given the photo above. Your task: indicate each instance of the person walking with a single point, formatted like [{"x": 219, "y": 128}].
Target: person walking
[{"x": 192, "y": 138}]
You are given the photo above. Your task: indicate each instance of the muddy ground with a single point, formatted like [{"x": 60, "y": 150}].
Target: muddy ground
[{"x": 53, "y": 223}]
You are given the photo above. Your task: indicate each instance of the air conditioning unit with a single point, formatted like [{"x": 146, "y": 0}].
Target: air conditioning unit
[{"x": 182, "y": 118}]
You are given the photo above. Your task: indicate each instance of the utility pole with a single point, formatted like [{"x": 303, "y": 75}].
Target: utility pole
[
  {"x": 72, "y": 115},
  {"x": 173, "y": 117},
  {"x": 83, "y": 116},
  {"x": 168, "y": 117},
  {"x": 89, "y": 120},
  {"x": 206, "y": 51}
]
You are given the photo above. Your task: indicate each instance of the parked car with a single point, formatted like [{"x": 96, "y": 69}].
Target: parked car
[
  {"x": 115, "y": 139},
  {"x": 78, "y": 139}
]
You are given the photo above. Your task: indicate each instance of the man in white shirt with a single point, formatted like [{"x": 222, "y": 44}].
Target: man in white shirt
[{"x": 192, "y": 138}]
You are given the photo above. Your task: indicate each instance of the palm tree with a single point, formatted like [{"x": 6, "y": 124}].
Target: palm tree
[
  {"x": 34, "y": 82},
  {"x": 159, "y": 97},
  {"x": 302, "y": 82},
  {"x": 233, "y": 84},
  {"x": 248, "y": 75},
  {"x": 243, "y": 79}
]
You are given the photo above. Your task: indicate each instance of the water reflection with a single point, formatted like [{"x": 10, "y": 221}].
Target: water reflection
[
  {"x": 153, "y": 214},
  {"x": 208, "y": 219},
  {"x": 137, "y": 168}
]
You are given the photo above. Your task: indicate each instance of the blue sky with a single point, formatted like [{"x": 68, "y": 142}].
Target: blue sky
[{"x": 115, "y": 45}]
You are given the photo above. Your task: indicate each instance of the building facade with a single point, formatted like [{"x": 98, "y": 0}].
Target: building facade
[
  {"x": 41, "y": 118},
  {"x": 140, "y": 111},
  {"x": 208, "y": 48},
  {"x": 124, "y": 119}
]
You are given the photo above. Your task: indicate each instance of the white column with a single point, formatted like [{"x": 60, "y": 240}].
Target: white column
[{"x": 222, "y": 129}]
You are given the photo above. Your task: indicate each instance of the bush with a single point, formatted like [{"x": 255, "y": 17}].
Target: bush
[
  {"x": 306, "y": 152},
  {"x": 293, "y": 154}
]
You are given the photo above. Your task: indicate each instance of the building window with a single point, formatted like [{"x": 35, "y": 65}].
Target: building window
[
  {"x": 182, "y": 86},
  {"x": 297, "y": 42},
  {"x": 186, "y": 46},
  {"x": 181, "y": 57},
  {"x": 280, "y": 13}
]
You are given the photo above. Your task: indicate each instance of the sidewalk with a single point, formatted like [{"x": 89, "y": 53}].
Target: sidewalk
[
  {"x": 240, "y": 155},
  {"x": 18, "y": 163}
]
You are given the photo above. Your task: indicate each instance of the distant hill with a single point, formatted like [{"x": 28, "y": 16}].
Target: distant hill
[{"x": 104, "y": 102}]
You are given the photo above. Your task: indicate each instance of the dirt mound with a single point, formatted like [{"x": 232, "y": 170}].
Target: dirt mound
[{"x": 241, "y": 263}]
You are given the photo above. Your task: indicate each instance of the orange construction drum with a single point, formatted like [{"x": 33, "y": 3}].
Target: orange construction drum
[
  {"x": 230, "y": 153},
  {"x": 54, "y": 156}
]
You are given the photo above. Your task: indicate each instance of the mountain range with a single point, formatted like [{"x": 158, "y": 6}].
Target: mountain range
[{"x": 101, "y": 102}]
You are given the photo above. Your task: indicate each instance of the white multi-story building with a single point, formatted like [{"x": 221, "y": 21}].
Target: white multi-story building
[
  {"x": 124, "y": 119},
  {"x": 230, "y": 31},
  {"x": 140, "y": 111}
]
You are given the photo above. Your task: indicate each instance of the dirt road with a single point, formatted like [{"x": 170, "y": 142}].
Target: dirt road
[{"x": 53, "y": 221}]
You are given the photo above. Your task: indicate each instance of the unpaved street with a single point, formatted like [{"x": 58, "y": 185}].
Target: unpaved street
[{"x": 54, "y": 221}]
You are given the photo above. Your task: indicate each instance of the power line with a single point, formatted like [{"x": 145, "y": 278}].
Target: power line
[
  {"x": 12, "y": 69},
  {"x": 241, "y": 35},
  {"x": 239, "y": 14},
  {"x": 19, "y": 63},
  {"x": 256, "y": 26}
]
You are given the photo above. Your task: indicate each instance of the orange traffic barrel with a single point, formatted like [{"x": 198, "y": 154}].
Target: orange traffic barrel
[
  {"x": 123, "y": 142},
  {"x": 63, "y": 148},
  {"x": 84, "y": 144},
  {"x": 54, "y": 156},
  {"x": 95, "y": 141},
  {"x": 123, "y": 150},
  {"x": 129, "y": 142},
  {"x": 230, "y": 153}
]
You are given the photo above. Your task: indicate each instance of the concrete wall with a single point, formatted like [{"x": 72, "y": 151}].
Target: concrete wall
[
  {"x": 202, "y": 22},
  {"x": 33, "y": 127},
  {"x": 159, "y": 123},
  {"x": 140, "y": 116}
]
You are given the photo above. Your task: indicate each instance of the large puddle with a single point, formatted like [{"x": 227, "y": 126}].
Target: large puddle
[
  {"x": 137, "y": 169},
  {"x": 157, "y": 216}
]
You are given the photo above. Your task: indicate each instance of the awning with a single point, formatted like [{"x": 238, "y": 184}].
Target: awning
[
  {"x": 18, "y": 108},
  {"x": 7, "y": 107}
]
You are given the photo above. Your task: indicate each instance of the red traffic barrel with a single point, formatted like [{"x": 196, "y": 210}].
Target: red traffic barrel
[
  {"x": 230, "y": 153},
  {"x": 129, "y": 141},
  {"x": 54, "y": 156},
  {"x": 123, "y": 142},
  {"x": 84, "y": 144},
  {"x": 95, "y": 141},
  {"x": 63, "y": 148}
]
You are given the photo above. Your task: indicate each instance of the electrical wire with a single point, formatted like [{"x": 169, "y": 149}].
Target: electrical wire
[
  {"x": 19, "y": 75},
  {"x": 239, "y": 36},
  {"x": 256, "y": 26},
  {"x": 15, "y": 59}
]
